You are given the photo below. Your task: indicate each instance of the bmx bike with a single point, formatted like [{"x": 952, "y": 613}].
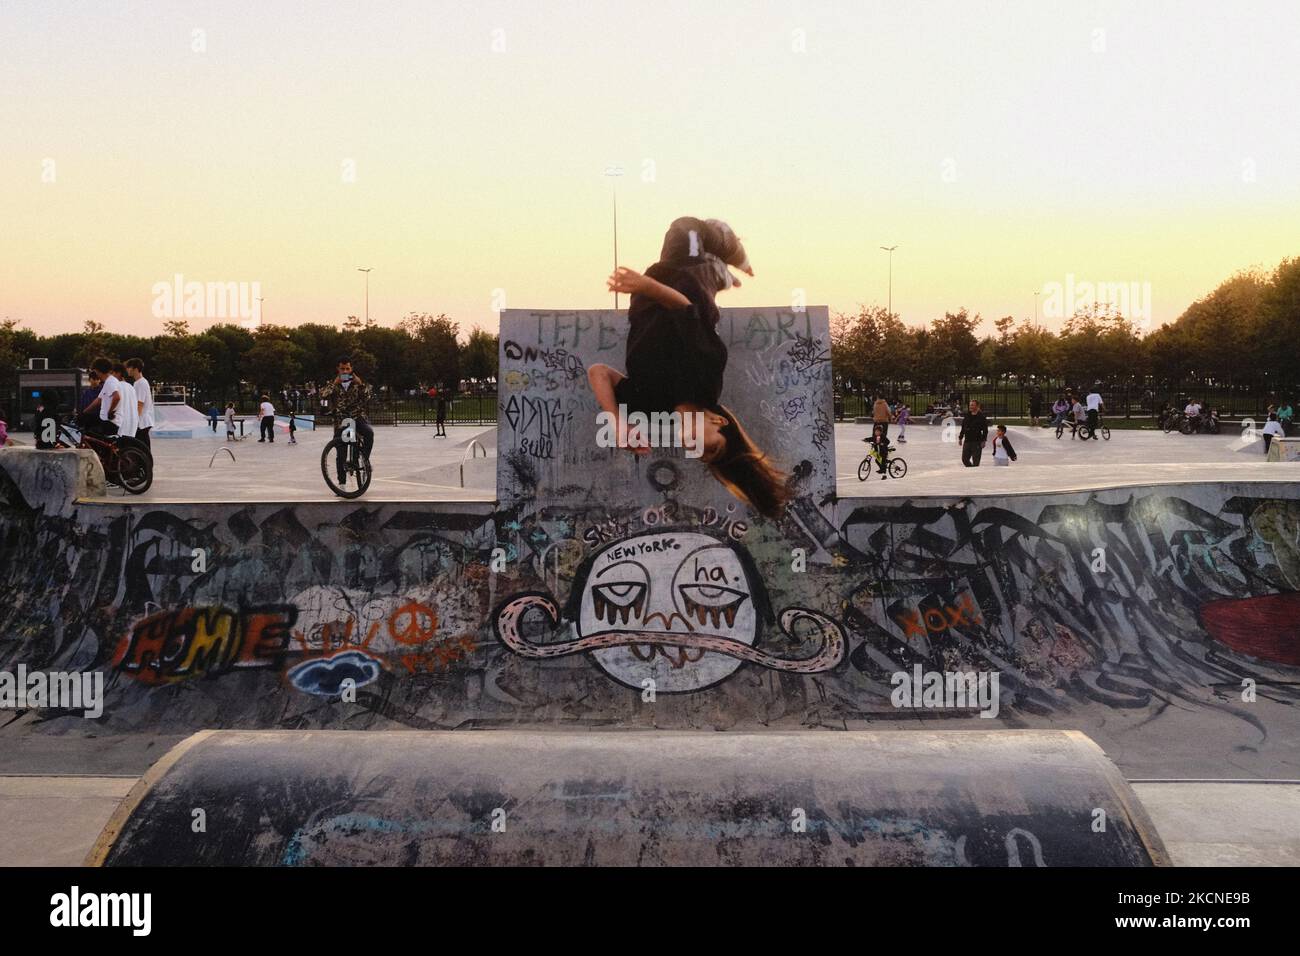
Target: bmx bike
[
  {"x": 894, "y": 467},
  {"x": 347, "y": 474},
  {"x": 126, "y": 460}
]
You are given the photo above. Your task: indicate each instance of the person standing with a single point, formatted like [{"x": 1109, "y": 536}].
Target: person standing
[
  {"x": 1095, "y": 406},
  {"x": 880, "y": 415},
  {"x": 1284, "y": 416},
  {"x": 266, "y": 412},
  {"x": 230, "y": 421},
  {"x": 1035, "y": 407},
  {"x": 129, "y": 405},
  {"x": 144, "y": 400},
  {"x": 974, "y": 433},
  {"x": 1003, "y": 453},
  {"x": 904, "y": 416},
  {"x": 213, "y": 415},
  {"x": 1272, "y": 429},
  {"x": 441, "y": 418}
]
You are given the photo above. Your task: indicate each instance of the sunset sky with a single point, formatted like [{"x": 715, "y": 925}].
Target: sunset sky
[{"x": 1001, "y": 146}]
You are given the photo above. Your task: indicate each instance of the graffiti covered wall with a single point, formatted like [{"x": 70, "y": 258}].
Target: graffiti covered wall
[{"x": 1133, "y": 614}]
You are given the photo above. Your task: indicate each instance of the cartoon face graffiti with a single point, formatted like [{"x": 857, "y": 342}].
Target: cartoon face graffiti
[{"x": 680, "y": 608}]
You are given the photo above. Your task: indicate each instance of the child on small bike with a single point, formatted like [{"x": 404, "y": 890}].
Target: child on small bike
[{"x": 880, "y": 449}]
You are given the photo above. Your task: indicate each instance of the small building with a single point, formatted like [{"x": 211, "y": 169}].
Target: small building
[{"x": 60, "y": 388}]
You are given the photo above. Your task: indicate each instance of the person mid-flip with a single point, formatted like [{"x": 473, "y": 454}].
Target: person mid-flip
[{"x": 676, "y": 360}]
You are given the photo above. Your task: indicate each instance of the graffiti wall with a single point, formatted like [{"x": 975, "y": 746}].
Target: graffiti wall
[
  {"x": 1163, "y": 621},
  {"x": 775, "y": 381}
]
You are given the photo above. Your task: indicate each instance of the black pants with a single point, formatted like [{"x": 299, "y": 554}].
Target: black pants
[
  {"x": 1092, "y": 422},
  {"x": 142, "y": 434},
  {"x": 441, "y": 428},
  {"x": 213, "y": 423},
  {"x": 1268, "y": 440},
  {"x": 884, "y": 428},
  {"x": 96, "y": 426},
  {"x": 268, "y": 427},
  {"x": 971, "y": 452},
  {"x": 365, "y": 434}
]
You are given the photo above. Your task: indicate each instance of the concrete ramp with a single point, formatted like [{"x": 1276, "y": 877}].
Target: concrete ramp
[{"x": 907, "y": 798}]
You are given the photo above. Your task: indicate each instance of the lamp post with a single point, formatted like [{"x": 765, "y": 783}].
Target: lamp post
[
  {"x": 890, "y": 250},
  {"x": 367, "y": 272},
  {"x": 614, "y": 172},
  {"x": 261, "y": 311}
]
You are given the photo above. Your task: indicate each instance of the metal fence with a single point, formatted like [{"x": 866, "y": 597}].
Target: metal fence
[{"x": 1131, "y": 399}]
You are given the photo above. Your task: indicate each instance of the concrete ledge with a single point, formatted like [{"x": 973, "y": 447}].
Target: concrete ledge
[
  {"x": 1284, "y": 449},
  {"x": 53, "y": 480}
]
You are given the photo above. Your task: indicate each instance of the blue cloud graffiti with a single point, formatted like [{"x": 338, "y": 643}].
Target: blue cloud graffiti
[{"x": 325, "y": 676}]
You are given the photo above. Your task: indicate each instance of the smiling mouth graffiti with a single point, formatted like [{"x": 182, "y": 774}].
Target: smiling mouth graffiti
[{"x": 829, "y": 653}]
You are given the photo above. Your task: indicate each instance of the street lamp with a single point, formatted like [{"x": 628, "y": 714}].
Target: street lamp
[
  {"x": 614, "y": 172},
  {"x": 890, "y": 250},
  {"x": 261, "y": 311},
  {"x": 367, "y": 272}
]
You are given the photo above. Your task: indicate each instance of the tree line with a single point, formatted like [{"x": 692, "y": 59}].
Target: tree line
[
  {"x": 421, "y": 351},
  {"x": 1246, "y": 331}
]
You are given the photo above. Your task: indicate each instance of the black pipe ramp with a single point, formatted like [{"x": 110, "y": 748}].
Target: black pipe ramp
[{"x": 624, "y": 798}]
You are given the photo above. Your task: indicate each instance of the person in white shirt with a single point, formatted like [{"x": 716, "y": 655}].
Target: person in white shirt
[
  {"x": 267, "y": 413},
  {"x": 1079, "y": 415},
  {"x": 129, "y": 418},
  {"x": 100, "y": 416},
  {"x": 1272, "y": 429},
  {"x": 144, "y": 399},
  {"x": 1095, "y": 405}
]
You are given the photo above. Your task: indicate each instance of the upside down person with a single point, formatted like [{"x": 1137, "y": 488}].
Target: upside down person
[{"x": 676, "y": 360}]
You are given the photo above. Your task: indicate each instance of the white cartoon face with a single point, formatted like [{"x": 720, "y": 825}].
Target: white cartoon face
[{"x": 664, "y": 584}]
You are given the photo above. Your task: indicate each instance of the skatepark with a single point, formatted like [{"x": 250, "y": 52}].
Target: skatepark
[{"x": 1135, "y": 596}]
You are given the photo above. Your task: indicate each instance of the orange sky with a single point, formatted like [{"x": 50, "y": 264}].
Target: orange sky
[{"x": 458, "y": 150}]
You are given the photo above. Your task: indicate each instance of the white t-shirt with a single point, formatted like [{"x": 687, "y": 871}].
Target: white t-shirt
[
  {"x": 144, "y": 394},
  {"x": 1000, "y": 449},
  {"x": 1274, "y": 428},
  {"x": 130, "y": 418},
  {"x": 106, "y": 393},
  {"x": 1094, "y": 402},
  {"x": 266, "y": 409}
]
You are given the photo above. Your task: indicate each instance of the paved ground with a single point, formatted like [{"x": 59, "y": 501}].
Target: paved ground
[
  {"x": 54, "y": 821},
  {"x": 411, "y": 465}
]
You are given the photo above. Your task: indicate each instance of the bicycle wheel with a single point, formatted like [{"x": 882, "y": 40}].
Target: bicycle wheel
[
  {"x": 1187, "y": 427},
  {"x": 355, "y": 478},
  {"x": 1060, "y": 430},
  {"x": 134, "y": 470},
  {"x": 897, "y": 468},
  {"x": 864, "y": 469},
  {"x": 1084, "y": 432},
  {"x": 1105, "y": 432},
  {"x": 1171, "y": 423}
]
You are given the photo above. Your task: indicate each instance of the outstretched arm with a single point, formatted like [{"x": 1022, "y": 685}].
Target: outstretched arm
[{"x": 633, "y": 283}]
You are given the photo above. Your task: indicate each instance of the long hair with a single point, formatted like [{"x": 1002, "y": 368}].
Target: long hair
[{"x": 747, "y": 472}]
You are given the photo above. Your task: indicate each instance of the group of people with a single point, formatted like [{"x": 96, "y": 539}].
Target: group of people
[
  {"x": 1068, "y": 409},
  {"x": 122, "y": 404}
]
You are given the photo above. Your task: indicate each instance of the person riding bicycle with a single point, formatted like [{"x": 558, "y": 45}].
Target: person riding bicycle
[
  {"x": 103, "y": 415},
  {"x": 349, "y": 398},
  {"x": 880, "y": 448}
]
